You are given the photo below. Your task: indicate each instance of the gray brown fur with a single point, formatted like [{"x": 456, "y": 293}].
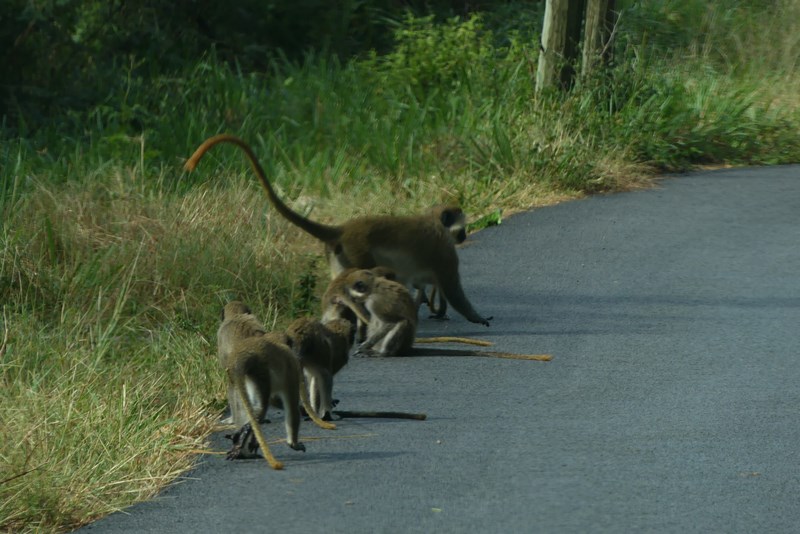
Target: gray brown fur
[
  {"x": 418, "y": 247},
  {"x": 263, "y": 365},
  {"x": 388, "y": 309},
  {"x": 322, "y": 349}
]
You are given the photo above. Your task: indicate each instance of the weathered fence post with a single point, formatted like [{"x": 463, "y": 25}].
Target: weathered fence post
[
  {"x": 554, "y": 35},
  {"x": 600, "y": 20},
  {"x": 560, "y": 43}
]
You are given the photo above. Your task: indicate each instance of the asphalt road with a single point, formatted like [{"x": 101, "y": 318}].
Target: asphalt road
[{"x": 672, "y": 403}]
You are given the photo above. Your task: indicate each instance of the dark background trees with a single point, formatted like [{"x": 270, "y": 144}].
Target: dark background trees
[{"x": 66, "y": 54}]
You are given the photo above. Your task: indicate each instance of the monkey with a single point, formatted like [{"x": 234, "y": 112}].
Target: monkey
[
  {"x": 331, "y": 306},
  {"x": 418, "y": 247},
  {"x": 322, "y": 349},
  {"x": 259, "y": 368},
  {"x": 388, "y": 310},
  {"x": 455, "y": 221},
  {"x": 334, "y": 307},
  {"x": 246, "y": 326},
  {"x": 391, "y": 315}
]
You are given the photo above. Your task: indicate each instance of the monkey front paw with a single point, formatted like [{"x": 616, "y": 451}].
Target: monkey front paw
[
  {"x": 298, "y": 446},
  {"x": 363, "y": 352}
]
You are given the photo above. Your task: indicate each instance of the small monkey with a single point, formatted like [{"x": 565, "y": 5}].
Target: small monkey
[
  {"x": 322, "y": 349},
  {"x": 391, "y": 316},
  {"x": 333, "y": 308},
  {"x": 418, "y": 247},
  {"x": 246, "y": 325},
  {"x": 336, "y": 303},
  {"x": 260, "y": 368},
  {"x": 388, "y": 310}
]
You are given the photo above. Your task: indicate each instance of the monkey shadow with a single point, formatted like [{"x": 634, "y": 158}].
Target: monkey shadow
[{"x": 315, "y": 457}]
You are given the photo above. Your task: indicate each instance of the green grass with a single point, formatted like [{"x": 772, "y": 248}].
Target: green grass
[{"x": 114, "y": 263}]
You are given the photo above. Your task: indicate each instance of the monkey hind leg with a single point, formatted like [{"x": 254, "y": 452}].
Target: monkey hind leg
[
  {"x": 314, "y": 394},
  {"x": 262, "y": 442},
  {"x": 309, "y": 410},
  {"x": 291, "y": 406},
  {"x": 438, "y": 305},
  {"x": 398, "y": 341}
]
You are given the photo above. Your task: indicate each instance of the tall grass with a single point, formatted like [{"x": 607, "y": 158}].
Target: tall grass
[{"x": 114, "y": 262}]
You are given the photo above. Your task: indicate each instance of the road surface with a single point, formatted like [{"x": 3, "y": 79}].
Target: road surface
[{"x": 672, "y": 403}]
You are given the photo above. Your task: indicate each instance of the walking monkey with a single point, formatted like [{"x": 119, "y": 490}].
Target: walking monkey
[
  {"x": 419, "y": 248},
  {"x": 260, "y": 367}
]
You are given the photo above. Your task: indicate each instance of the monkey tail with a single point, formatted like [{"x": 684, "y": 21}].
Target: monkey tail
[
  {"x": 481, "y": 354},
  {"x": 449, "y": 339},
  {"x": 512, "y": 356},
  {"x": 307, "y": 406},
  {"x": 262, "y": 442},
  {"x": 383, "y": 415},
  {"x": 323, "y": 232}
]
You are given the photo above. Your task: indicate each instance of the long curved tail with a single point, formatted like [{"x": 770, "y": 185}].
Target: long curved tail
[
  {"x": 323, "y": 232},
  {"x": 450, "y": 339},
  {"x": 481, "y": 354},
  {"x": 262, "y": 442}
]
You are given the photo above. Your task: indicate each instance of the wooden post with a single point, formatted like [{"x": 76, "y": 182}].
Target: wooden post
[
  {"x": 561, "y": 37},
  {"x": 554, "y": 35},
  {"x": 600, "y": 20}
]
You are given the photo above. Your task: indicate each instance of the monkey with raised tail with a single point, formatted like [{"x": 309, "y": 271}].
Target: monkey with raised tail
[{"x": 419, "y": 248}]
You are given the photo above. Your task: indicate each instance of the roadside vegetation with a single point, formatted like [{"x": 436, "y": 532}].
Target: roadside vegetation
[{"x": 114, "y": 263}]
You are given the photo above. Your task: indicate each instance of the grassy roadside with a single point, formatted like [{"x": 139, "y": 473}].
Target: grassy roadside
[{"x": 114, "y": 263}]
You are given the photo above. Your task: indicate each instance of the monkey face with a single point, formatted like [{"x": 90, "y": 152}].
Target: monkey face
[
  {"x": 360, "y": 284},
  {"x": 359, "y": 290},
  {"x": 455, "y": 221}
]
